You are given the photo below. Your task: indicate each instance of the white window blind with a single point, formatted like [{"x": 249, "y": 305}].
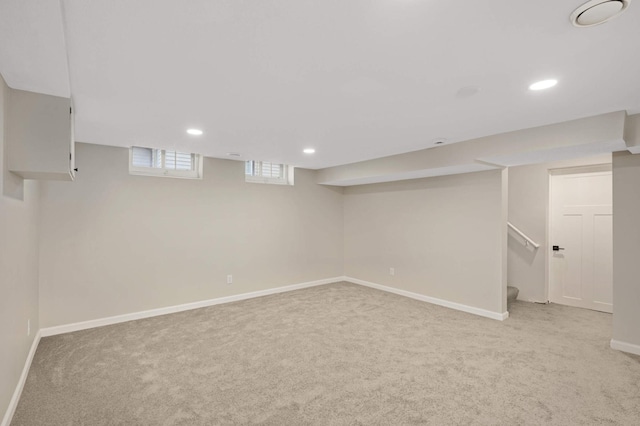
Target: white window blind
[
  {"x": 178, "y": 160},
  {"x": 162, "y": 162},
  {"x": 267, "y": 172},
  {"x": 142, "y": 157}
]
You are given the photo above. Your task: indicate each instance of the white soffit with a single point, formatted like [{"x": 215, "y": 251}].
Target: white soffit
[
  {"x": 632, "y": 133},
  {"x": 556, "y": 154},
  {"x": 33, "y": 55},
  {"x": 413, "y": 174}
]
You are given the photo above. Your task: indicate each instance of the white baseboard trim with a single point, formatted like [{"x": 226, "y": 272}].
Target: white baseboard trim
[
  {"x": 68, "y": 328},
  {"x": 13, "y": 404},
  {"x": 625, "y": 347},
  {"x": 447, "y": 304},
  {"x": 84, "y": 325}
]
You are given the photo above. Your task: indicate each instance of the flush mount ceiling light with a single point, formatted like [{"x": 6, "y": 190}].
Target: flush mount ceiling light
[
  {"x": 309, "y": 150},
  {"x": 194, "y": 132},
  {"x": 596, "y": 12},
  {"x": 544, "y": 84}
]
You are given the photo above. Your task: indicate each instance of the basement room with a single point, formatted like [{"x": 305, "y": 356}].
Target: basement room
[{"x": 279, "y": 212}]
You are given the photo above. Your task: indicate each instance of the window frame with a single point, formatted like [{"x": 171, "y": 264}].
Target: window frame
[
  {"x": 286, "y": 179},
  {"x": 194, "y": 173}
]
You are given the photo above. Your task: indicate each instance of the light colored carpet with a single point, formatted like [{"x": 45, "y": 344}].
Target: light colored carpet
[{"x": 333, "y": 355}]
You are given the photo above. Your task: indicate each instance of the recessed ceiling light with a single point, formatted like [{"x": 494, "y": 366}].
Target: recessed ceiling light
[
  {"x": 309, "y": 150},
  {"x": 544, "y": 84},
  {"x": 596, "y": 12},
  {"x": 194, "y": 132}
]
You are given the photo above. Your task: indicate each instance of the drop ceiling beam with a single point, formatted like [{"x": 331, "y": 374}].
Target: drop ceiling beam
[{"x": 570, "y": 139}]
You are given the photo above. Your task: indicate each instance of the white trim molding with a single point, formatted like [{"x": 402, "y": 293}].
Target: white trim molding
[
  {"x": 13, "y": 404},
  {"x": 625, "y": 347},
  {"x": 100, "y": 322},
  {"x": 68, "y": 328},
  {"x": 447, "y": 304}
]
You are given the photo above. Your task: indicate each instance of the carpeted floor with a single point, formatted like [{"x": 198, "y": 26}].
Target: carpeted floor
[{"x": 333, "y": 355}]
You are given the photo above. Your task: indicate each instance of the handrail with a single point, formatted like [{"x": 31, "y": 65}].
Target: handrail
[{"x": 527, "y": 240}]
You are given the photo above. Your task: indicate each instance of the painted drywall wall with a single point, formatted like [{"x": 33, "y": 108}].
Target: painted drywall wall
[
  {"x": 113, "y": 243},
  {"x": 626, "y": 249},
  {"x": 18, "y": 267},
  {"x": 528, "y": 210},
  {"x": 443, "y": 236}
]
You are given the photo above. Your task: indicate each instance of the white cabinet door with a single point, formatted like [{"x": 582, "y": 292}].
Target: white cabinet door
[{"x": 39, "y": 138}]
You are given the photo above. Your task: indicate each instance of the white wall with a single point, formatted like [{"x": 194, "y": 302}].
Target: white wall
[
  {"x": 113, "y": 243},
  {"x": 444, "y": 236},
  {"x": 626, "y": 250},
  {"x": 18, "y": 267},
  {"x": 528, "y": 210}
]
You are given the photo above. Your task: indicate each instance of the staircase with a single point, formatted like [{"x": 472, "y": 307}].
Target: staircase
[{"x": 512, "y": 294}]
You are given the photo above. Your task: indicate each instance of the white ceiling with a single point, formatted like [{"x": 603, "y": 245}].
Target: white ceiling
[
  {"x": 32, "y": 46},
  {"x": 356, "y": 79}
]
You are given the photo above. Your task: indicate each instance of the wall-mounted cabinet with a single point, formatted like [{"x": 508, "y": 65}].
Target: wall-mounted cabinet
[{"x": 40, "y": 136}]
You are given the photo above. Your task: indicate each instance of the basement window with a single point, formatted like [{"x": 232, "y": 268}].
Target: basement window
[
  {"x": 164, "y": 162},
  {"x": 266, "y": 172}
]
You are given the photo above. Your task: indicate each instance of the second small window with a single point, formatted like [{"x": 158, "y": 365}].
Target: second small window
[{"x": 267, "y": 172}]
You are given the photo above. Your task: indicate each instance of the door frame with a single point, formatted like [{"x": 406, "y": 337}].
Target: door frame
[{"x": 594, "y": 168}]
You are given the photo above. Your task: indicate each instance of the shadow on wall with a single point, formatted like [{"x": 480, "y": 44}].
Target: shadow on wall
[
  {"x": 12, "y": 184},
  {"x": 526, "y": 253}
]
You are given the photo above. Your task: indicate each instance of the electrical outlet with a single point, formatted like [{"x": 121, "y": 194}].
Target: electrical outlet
[
  {"x": 28, "y": 327},
  {"x": 229, "y": 279},
  {"x": 392, "y": 271}
]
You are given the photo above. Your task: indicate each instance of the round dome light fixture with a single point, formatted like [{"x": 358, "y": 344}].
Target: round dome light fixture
[
  {"x": 595, "y": 12},
  {"x": 195, "y": 132}
]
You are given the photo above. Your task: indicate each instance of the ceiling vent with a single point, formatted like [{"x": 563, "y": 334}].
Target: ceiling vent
[{"x": 595, "y": 12}]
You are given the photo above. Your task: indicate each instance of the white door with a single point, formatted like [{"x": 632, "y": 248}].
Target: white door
[{"x": 581, "y": 271}]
